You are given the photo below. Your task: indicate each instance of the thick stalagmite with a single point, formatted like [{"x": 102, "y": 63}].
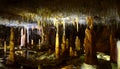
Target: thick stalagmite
[
  {"x": 57, "y": 47},
  {"x": 113, "y": 48},
  {"x": 118, "y": 54},
  {"x": 57, "y": 51},
  {"x": 10, "y": 59},
  {"x": 89, "y": 43},
  {"x": 23, "y": 38}
]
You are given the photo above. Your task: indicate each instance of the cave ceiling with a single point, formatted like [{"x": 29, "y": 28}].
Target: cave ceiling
[{"x": 14, "y": 9}]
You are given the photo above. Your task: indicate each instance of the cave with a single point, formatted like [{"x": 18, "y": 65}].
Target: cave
[{"x": 59, "y": 34}]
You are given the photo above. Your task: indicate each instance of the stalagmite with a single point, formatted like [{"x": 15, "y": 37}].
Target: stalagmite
[
  {"x": 39, "y": 41},
  {"x": 118, "y": 54},
  {"x": 89, "y": 43},
  {"x": 113, "y": 48},
  {"x": 63, "y": 32},
  {"x": 42, "y": 34},
  {"x": 39, "y": 44},
  {"x": 39, "y": 33},
  {"x": 71, "y": 53},
  {"x": 32, "y": 42},
  {"x": 77, "y": 40},
  {"x": 21, "y": 43},
  {"x": 28, "y": 35},
  {"x": 77, "y": 43},
  {"x": 57, "y": 46},
  {"x": 63, "y": 38},
  {"x": 5, "y": 47},
  {"x": 75, "y": 53},
  {"x": 67, "y": 43},
  {"x": 63, "y": 47},
  {"x": 23, "y": 38},
  {"x": 39, "y": 67},
  {"x": 10, "y": 59},
  {"x": 57, "y": 51}
]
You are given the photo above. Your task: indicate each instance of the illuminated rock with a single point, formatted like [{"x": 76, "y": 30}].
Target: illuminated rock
[
  {"x": 5, "y": 48},
  {"x": 118, "y": 54},
  {"x": 77, "y": 43},
  {"x": 57, "y": 46},
  {"x": 87, "y": 66},
  {"x": 11, "y": 59},
  {"x": 113, "y": 48},
  {"x": 71, "y": 52},
  {"x": 89, "y": 43}
]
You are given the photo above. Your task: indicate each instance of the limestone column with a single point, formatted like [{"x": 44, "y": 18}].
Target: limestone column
[
  {"x": 113, "y": 43},
  {"x": 118, "y": 54},
  {"x": 23, "y": 38},
  {"x": 57, "y": 51},
  {"x": 28, "y": 35},
  {"x": 77, "y": 40},
  {"x": 63, "y": 38},
  {"x": 39, "y": 33},
  {"x": 113, "y": 48},
  {"x": 89, "y": 43},
  {"x": 10, "y": 59}
]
